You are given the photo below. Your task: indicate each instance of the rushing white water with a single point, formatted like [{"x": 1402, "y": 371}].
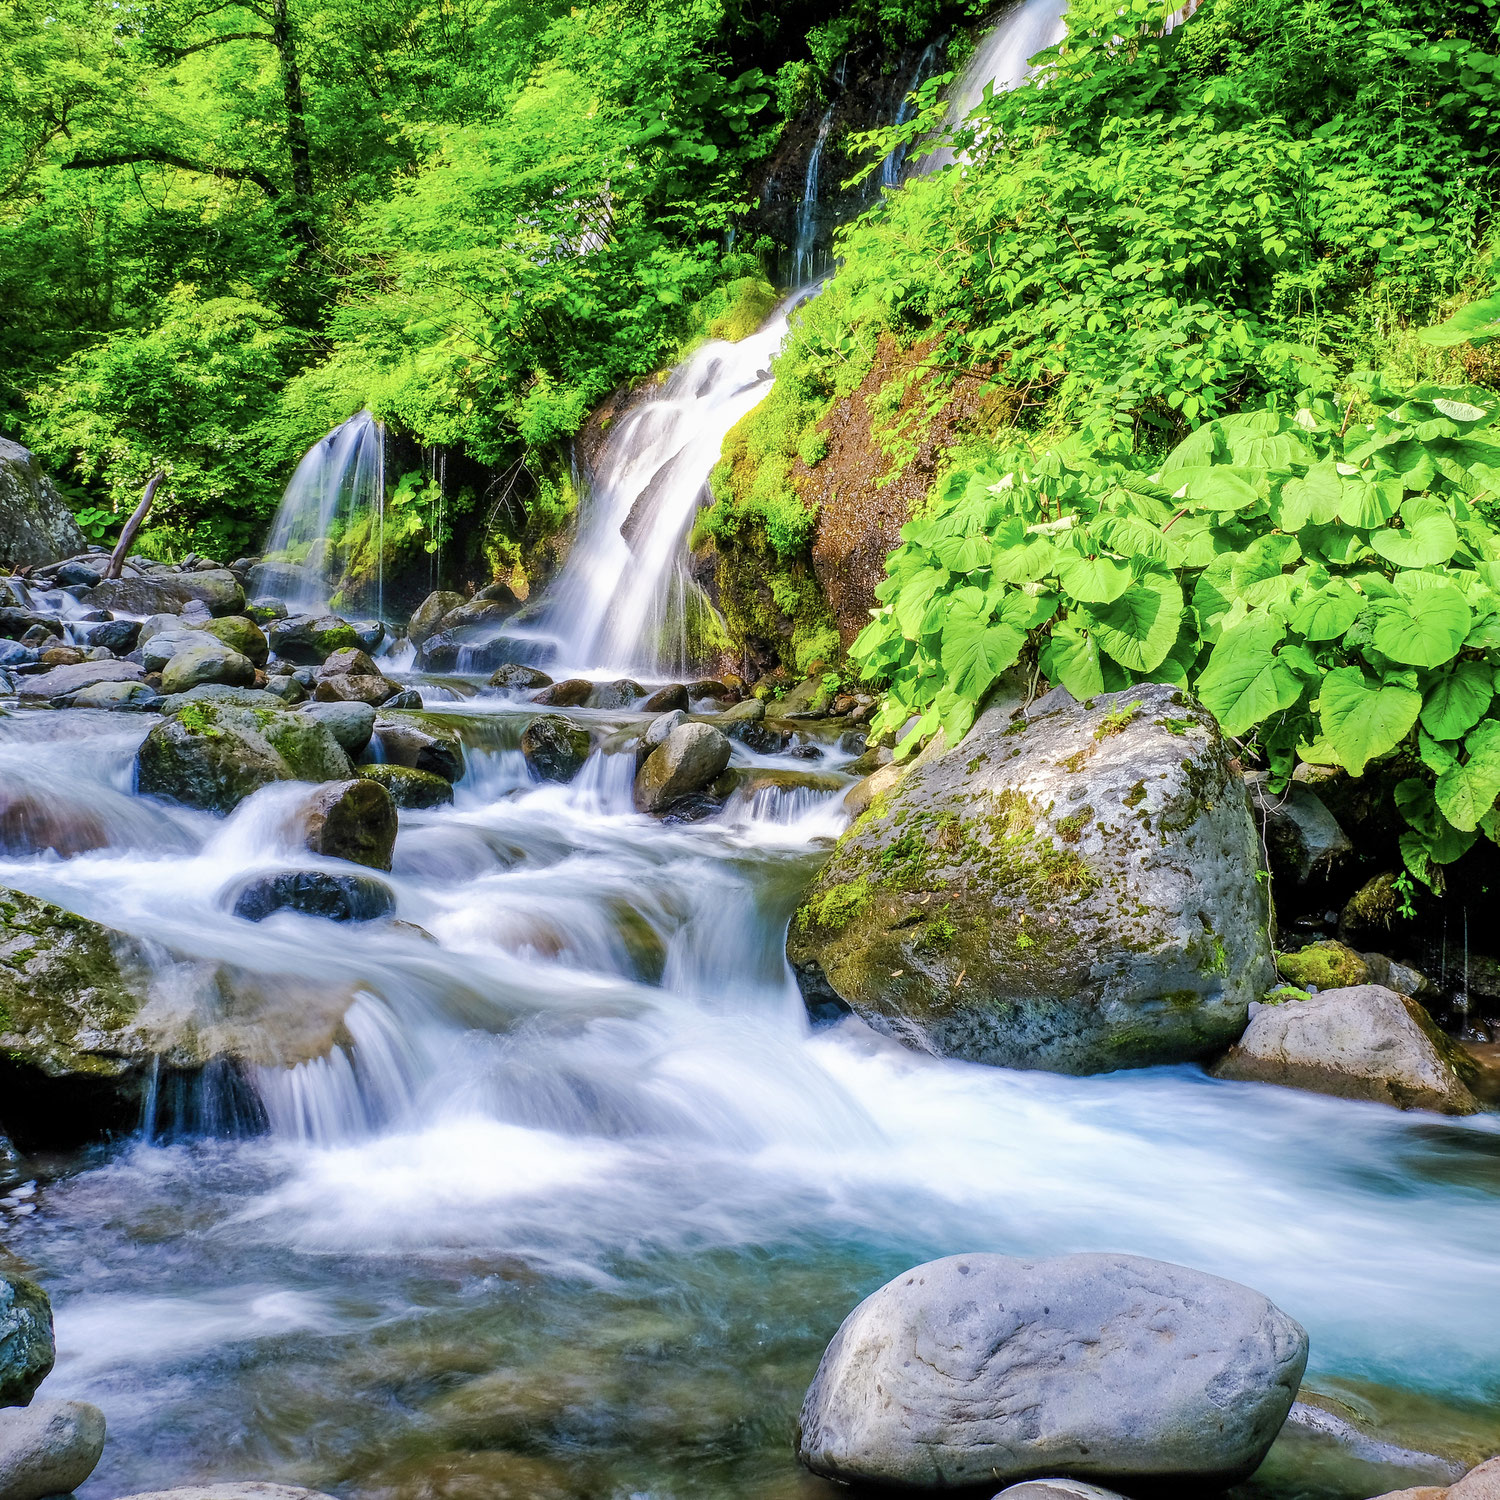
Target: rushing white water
[
  {"x": 805, "y": 250},
  {"x": 339, "y": 486},
  {"x": 893, "y": 167}
]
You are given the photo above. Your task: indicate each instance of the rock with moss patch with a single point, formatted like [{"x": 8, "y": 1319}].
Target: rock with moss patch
[
  {"x": 571, "y": 692},
  {"x": 429, "y": 613},
  {"x": 210, "y": 661},
  {"x": 409, "y": 787},
  {"x": 212, "y": 755},
  {"x": 310, "y": 640},
  {"x": 420, "y": 744},
  {"x": 1324, "y": 966},
  {"x": 514, "y": 678},
  {"x": 1360, "y": 1042},
  {"x": 1077, "y": 891},
  {"x": 554, "y": 748},
  {"x": 26, "y": 1347},
  {"x": 243, "y": 635},
  {"x": 352, "y": 820}
]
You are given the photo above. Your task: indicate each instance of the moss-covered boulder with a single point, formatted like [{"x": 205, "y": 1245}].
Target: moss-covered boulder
[
  {"x": 421, "y": 743},
  {"x": 213, "y": 755},
  {"x": 26, "y": 1347},
  {"x": 310, "y": 640},
  {"x": 409, "y": 787},
  {"x": 1324, "y": 966},
  {"x": 243, "y": 635},
  {"x": 353, "y": 820},
  {"x": 555, "y": 748},
  {"x": 1077, "y": 889}
]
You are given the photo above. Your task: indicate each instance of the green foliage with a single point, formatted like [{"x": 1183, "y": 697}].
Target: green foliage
[{"x": 1330, "y": 589}]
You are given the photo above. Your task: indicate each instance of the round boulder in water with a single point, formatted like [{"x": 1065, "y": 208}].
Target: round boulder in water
[
  {"x": 554, "y": 748},
  {"x": 1057, "y": 1489},
  {"x": 210, "y": 661},
  {"x": 975, "y": 1369},
  {"x": 351, "y": 724},
  {"x": 26, "y": 1347},
  {"x": 571, "y": 692},
  {"x": 118, "y": 636},
  {"x": 314, "y": 893},
  {"x": 621, "y": 693},
  {"x": 48, "y": 1448},
  {"x": 243, "y": 634},
  {"x": 420, "y": 744},
  {"x": 348, "y": 687},
  {"x": 309, "y": 640},
  {"x": 664, "y": 700},
  {"x": 409, "y": 787},
  {"x": 514, "y": 678},
  {"x": 689, "y": 759},
  {"x": 353, "y": 820},
  {"x": 429, "y": 613}
]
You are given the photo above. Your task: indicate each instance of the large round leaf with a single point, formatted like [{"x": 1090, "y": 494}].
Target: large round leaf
[
  {"x": 1071, "y": 657},
  {"x": 1139, "y": 628},
  {"x": 1424, "y": 627},
  {"x": 1093, "y": 580},
  {"x": 1328, "y": 612},
  {"x": 1457, "y": 701},
  {"x": 1427, "y": 536},
  {"x": 974, "y": 655},
  {"x": 1363, "y": 717},
  {"x": 1243, "y": 682}
]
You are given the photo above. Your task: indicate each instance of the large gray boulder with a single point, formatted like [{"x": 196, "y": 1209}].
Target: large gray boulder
[
  {"x": 1057, "y": 1489},
  {"x": 983, "y": 1369},
  {"x": 26, "y": 1347},
  {"x": 351, "y": 724},
  {"x": 208, "y": 660},
  {"x": 420, "y": 744},
  {"x": 214, "y": 755},
  {"x": 1075, "y": 890},
  {"x": 136, "y": 596},
  {"x": 1360, "y": 1042},
  {"x": 48, "y": 1448},
  {"x": 429, "y": 613},
  {"x": 687, "y": 760},
  {"x": 61, "y": 681},
  {"x": 555, "y": 749},
  {"x": 36, "y": 526}
]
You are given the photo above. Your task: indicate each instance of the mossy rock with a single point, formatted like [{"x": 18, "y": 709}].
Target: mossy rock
[
  {"x": 1047, "y": 896},
  {"x": 409, "y": 787},
  {"x": 243, "y": 635},
  {"x": 1324, "y": 966}
]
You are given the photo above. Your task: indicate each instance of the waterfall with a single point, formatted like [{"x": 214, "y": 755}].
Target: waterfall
[
  {"x": 807, "y": 214},
  {"x": 331, "y": 518},
  {"x": 891, "y": 168}
]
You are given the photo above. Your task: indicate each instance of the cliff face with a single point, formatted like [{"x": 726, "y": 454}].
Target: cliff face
[{"x": 36, "y": 526}]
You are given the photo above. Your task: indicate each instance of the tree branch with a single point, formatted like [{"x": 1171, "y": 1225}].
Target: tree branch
[
  {"x": 218, "y": 41},
  {"x": 166, "y": 159}
]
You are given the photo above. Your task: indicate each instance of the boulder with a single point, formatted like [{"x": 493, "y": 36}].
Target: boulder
[
  {"x": 408, "y": 787},
  {"x": 26, "y": 1347},
  {"x": 1075, "y": 890},
  {"x": 1303, "y": 839},
  {"x": 498, "y": 593},
  {"x": 118, "y": 636},
  {"x": 514, "y": 678},
  {"x": 689, "y": 759},
  {"x": 136, "y": 596},
  {"x": 555, "y": 748},
  {"x": 155, "y": 652},
  {"x": 238, "y": 1490},
  {"x": 351, "y": 724},
  {"x": 666, "y": 700},
  {"x": 213, "y": 755},
  {"x": 1057, "y": 1489},
  {"x": 217, "y": 588},
  {"x": 221, "y": 692},
  {"x": 423, "y": 746},
  {"x": 977, "y": 1369},
  {"x": 210, "y": 661},
  {"x": 344, "y": 687},
  {"x": 243, "y": 635},
  {"x": 36, "y": 525},
  {"x": 1324, "y": 966},
  {"x": 61, "y": 681},
  {"x": 136, "y": 696},
  {"x": 369, "y": 633},
  {"x": 572, "y": 692},
  {"x": 429, "y": 614},
  {"x": 751, "y": 711},
  {"x": 711, "y": 687},
  {"x": 339, "y": 898},
  {"x": 659, "y": 728},
  {"x": 353, "y": 820},
  {"x": 48, "y": 1448},
  {"x": 64, "y": 656},
  {"x": 622, "y": 693},
  {"x": 406, "y": 698},
  {"x": 310, "y": 640},
  {"x": 478, "y": 612},
  {"x": 34, "y": 822},
  {"x": 350, "y": 661},
  {"x": 287, "y": 689},
  {"x": 1362, "y": 1042},
  {"x": 77, "y": 574}
]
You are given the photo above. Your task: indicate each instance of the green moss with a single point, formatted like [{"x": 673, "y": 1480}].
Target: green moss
[
  {"x": 1069, "y": 829},
  {"x": 1117, "y": 720},
  {"x": 201, "y": 719},
  {"x": 834, "y": 909},
  {"x": 1323, "y": 966},
  {"x": 1136, "y": 795},
  {"x": 1076, "y": 761}
]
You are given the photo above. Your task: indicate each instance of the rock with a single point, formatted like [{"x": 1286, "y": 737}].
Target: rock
[
  {"x": 1303, "y": 838},
  {"x": 287, "y": 689},
  {"x": 13, "y": 654},
  {"x": 36, "y": 525},
  {"x": 498, "y": 593},
  {"x": 622, "y": 693},
  {"x": 118, "y": 636},
  {"x": 406, "y": 698},
  {"x": 554, "y": 748},
  {"x": 221, "y": 692},
  {"x": 408, "y": 787},
  {"x": 659, "y": 728},
  {"x": 350, "y": 661},
  {"x": 513, "y": 678},
  {"x": 238, "y": 1490},
  {"x": 112, "y": 695},
  {"x": 243, "y": 635},
  {"x": 1057, "y": 1489},
  {"x": 48, "y": 1448},
  {"x": 1363, "y": 1042},
  {"x": 14, "y": 1170},
  {"x": 217, "y": 588},
  {"x": 1075, "y": 891},
  {"x": 1324, "y": 966},
  {"x": 135, "y": 596},
  {"x": 369, "y": 633},
  {"x": 339, "y": 898},
  {"x": 352, "y": 820},
  {"x": 26, "y": 1347},
  {"x": 344, "y": 687},
  {"x": 1397, "y": 976},
  {"x": 61, "y": 681},
  {"x": 429, "y": 614},
  {"x": 310, "y": 640},
  {"x": 154, "y": 625},
  {"x": 1482, "y": 1483},
  {"x": 572, "y": 692},
  {"x": 63, "y": 656},
  {"x": 751, "y": 711},
  {"x": 1422, "y": 1492},
  {"x": 666, "y": 700},
  {"x": 975, "y": 1369},
  {"x": 351, "y": 724},
  {"x": 1368, "y": 914},
  {"x": 154, "y": 653},
  {"x": 711, "y": 687},
  {"x": 689, "y": 759},
  {"x": 478, "y": 612},
  {"x": 32, "y": 822},
  {"x": 212, "y": 661},
  {"x": 425, "y": 747},
  {"x": 76, "y": 574},
  {"x": 212, "y": 755},
  {"x": 880, "y": 782}
]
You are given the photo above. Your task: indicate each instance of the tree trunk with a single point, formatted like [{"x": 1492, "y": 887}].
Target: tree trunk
[
  {"x": 299, "y": 149},
  {"x": 133, "y": 525}
]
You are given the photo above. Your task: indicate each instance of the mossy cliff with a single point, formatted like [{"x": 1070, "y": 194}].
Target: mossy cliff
[{"x": 1076, "y": 889}]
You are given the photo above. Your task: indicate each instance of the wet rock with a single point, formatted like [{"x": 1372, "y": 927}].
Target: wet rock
[
  {"x": 213, "y": 755},
  {"x": 408, "y": 787},
  {"x": 13, "y": 654},
  {"x": 808, "y": 700},
  {"x": 369, "y": 633},
  {"x": 76, "y": 574},
  {"x": 36, "y": 525},
  {"x": 1303, "y": 838},
  {"x": 351, "y": 820},
  {"x": 429, "y": 614},
  {"x": 688, "y": 760},
  {"x": 221, "y": 692},
  {"x": 236, "y": 1490},
  {"x": 157, "y": 650},
  {"x": 1482, "y": 1483},
  {"x": 658, "y": 729},
  {"x": 34, "y": 823},
  {"x": 425, "y": 747},
  {"x": 64, "y": 656},
  {"x": 1422, "y": 1492},
  {"x": 1362, "y": 1042},
  {"x": 350, "y": 661},
  {"x": 554, "y": 748},
  {"x": 975, "y": 1369},
  {"x": 1075, "y": 891},
  {"x": 478, "y": 612},
  {"x": 751, "y": 711},
  {"x": 313, "y": 893},
  {"x": 118, "y": 636},
  {"x": 666, "y": 700},
  {"x": 1324, "y": 966},
  {"x": 1057, "y": 1489},
  {"x": 1369, "y": 913},
  {"x": 48, "y": 1448},
  {"x": 133, "y": 696},
  {"x": 287, "y": 689},
  {"x": 711, "y": 687},
  {"x": 14, "y": 1169},
  {"x": 243, "y": 635},
  {"x": 351, "y": 724},
  {"x": 1400, "y": 977},
  {"x": 217, "y": 588},
  {"x": 344, "y": 687},
  {"x": 26, "y": 1347},
  {"x": 406, "y": 698},
  {"x": 864, "y": 794},
  {"x": 210, "y": 661},
  {"x": 622, "y": 693},
  {"x": 572, "y": 692},
  {"x": 136, "y": 596},
  {"x": 310, "y": 640},
  {"x": 61, "y": 681},
  {"x": 514, "y": 678}
]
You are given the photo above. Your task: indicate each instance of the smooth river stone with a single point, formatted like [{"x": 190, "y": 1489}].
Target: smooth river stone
[{"x": 48, "y": 1448}]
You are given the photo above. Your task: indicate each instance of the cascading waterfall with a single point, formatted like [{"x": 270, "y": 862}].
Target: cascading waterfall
[
  {"x": 893, "y": 167},
  {"x": 327, "y": 541},
  {"x": 804, "y": 254}
]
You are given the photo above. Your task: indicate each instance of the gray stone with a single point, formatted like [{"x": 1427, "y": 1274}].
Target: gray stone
[
  {"x": 351, "y": 661},
  {"x": 217, "y": 588},
  {"x": 221, "y": 692},
  {"x": 1303, "y": 838},
  {"x": 155, "y": 653},
  {"x": 423, "y": 746},
  {"x": 36, "y": 525},
  {"x": 1076, "y": 892},
  {"x": 752, "y": 710},
  {"x": 243, "y": 634},
  {"x": 660, "y": 727},
  {"x": 61, "y": 681},
  {"x": 117, "y": 636},
  {"x": 428, "y": 615},
  {"x": 513, "y": 678},
  {"x": 1361, "y": 1042},
  {"x": 313, "y": 893},
  {"x": 689, "y": 759},
  {"x": 239, "y": 1490},
  {"x": 351, "y": 724},
  {"x": 136, "y": 596},
  {"x": 406, "y": 698},
  {"x": 410, "y": 788},
  {"x": 979, "y": 1369},
  {"x": 309, "y": 640},
  {"x": 1057, "y": 1489},
  {"x": 48, "y": 1448},
  {"x": 112, "y": 695},
  {"x": 26, "y": 1347},
  {"x": 287, "y": 689},
  {"x": 554, "y": 748},
  {"x": 351, "y": 820},
  {"x": 621, "y": 693},
  {"x": 154, "y": 625},
  {"x": 666, "y": 700},
  {"x": 209, "y": 661},
  {"x": 571, "y": 692},
  {"x": 348, "y": 687}
]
